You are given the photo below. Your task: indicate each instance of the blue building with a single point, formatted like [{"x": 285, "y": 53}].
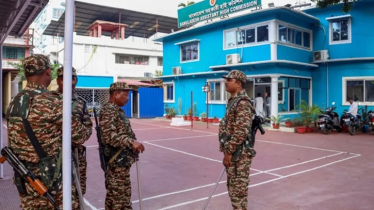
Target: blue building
[{"x": 319, "y": 56}]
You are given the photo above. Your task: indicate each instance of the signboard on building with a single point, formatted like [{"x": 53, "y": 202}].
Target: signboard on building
[{"x": 209, "y": 9}]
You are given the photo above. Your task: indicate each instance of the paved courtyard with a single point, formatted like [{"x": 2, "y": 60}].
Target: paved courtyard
[{"x": 291, "y": 171}]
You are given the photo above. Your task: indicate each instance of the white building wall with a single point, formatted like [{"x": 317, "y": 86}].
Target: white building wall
[{"x": 96, "y": 56}]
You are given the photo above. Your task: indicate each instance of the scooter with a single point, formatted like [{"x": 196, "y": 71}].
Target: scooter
[
  {"x": 329, "y": 120},
  {"x": 353, "y": 123}
]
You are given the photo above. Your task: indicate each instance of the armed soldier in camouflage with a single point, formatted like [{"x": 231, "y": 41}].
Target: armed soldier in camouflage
[
  {"x": 121, "y": 148},
  {"x": 234, "y": 128},
  {"x": 35, "y": 134},
  {"x": 79, "y": 107}
]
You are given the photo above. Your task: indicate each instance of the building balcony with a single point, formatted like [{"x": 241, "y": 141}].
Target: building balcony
[
  {"x": 7, "y": 63},
  {"x": 128, "y": 70},
  {"x": 13, "y": 41}
]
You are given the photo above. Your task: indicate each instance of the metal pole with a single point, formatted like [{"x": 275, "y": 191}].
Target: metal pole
[
  {"x": 1, "y": 107},
  {"x": 67, "y": 95},
  {"x": 215, "y": 187},
  {"x": 139, "y": 190}
]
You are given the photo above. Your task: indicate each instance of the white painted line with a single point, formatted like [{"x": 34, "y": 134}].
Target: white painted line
[
  {"x": 92, "y": 146},
  {"x": 177, "y": 128},
  {"x": 186, "y": 190},
  {"x": 289, "y": 166},
  {"x": 258, "y": 184},
  {"x": 306, "y": 147},
  {"x": 186, "y": 153},
  {"x": 141, "y": 129},
  {"x": 89, "y": 204},
  {"x": 5, "y": 126},
  {"x": 186, "y": 137}
]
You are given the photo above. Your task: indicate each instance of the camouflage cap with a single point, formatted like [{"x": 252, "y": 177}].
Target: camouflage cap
[
  {"x": 60, "y": 72},
  {"x": 236, "y": 74},
  {"x": 119, "y": 86},
  {"x": 36, "y": 62}
]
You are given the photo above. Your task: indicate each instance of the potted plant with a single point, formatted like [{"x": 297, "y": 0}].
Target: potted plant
[
  {"x": 167, "y": 111},
  {"x": 172, "y": 112},
  {"x": 210, "y": 120},
  {"x": 215, "y": 119},
  {"x": 195, "y": 118},
  {"x": 203, "y": 117},
  {"x": 305, "y": 117},
  {"x": 189, "y": 116},
  {"x": 276, "y": 121},
  {"x": 179, "y": 106},
  {"x": 288, "y": 122},
  {"x": 185, "y": 117}
]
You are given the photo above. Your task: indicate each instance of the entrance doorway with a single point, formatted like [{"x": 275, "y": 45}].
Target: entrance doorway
[{"x": 135, "y": 101}]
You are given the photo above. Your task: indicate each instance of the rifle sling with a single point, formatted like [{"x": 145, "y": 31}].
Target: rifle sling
[
  {"x": 34, "y": 141},
  {"x": 115, "y": 156}
]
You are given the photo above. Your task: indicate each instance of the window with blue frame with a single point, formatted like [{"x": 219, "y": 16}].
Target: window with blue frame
[
  {"x": 189, "y": 51},
  {"x": 294, "y": 36},
  {"x": 294, "y": 90},
  {"x": 246, "y": 35},
  {"x": 215, "y": 91},
  {"x": 168, "y": 92},
  {"x": 340, "y": 29}
]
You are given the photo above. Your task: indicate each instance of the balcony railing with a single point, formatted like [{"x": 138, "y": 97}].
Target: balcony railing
[
  {"x": 15, "y": 41},
  {"x": 6, "y": 64}
]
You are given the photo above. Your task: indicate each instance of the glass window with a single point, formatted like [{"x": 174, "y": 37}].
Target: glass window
[
  {"x": 262, "y": 33},
  {"x": 369, "y": 90},
  {"x": 11, "y": 53},
  {"x": 340, "y": 30},
  {"x": 230, "y": 39},
  {"x": 241, "y": 37},
  {"x": 168, "y": 92},
  {"x": 290, "y": 38},
  {"x": 132, "y": 59},
  {"x": 355, "y": 89},
  {"x": 159, "y": 61},
  {"x": 190, "y": 51},
  {"x": 57, "y": 13},
  {"x": 215, "y": 91},
  {"x": 280, "y": 91},
  {"x": 250, "y": 35},
  {"x": 306, "y": 39},
  {"x": 298, "y": 37},
  {"x": 282, "y": 33}
]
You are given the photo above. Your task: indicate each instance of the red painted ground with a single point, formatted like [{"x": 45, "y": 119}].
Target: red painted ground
[{"x": 290, "y": 171}]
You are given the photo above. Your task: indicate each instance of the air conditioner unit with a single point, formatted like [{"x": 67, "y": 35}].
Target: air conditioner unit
[
  {"x": 232, "y": 58},
  {"x": 177, "y": 70},
  {"x": 321, "y": 55},
  {"x": 148, "y": 74}
]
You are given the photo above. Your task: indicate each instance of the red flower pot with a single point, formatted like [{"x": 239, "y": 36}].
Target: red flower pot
[
  {"x": 195, "y": 118},
  {"x": 215, "y": 120},
  {"x": 184, "y": 117},
  {"x": 210, "y": 120},
  {"x": 308, "y": 130},
  {"x": 301, "y": 130},
  {"x": 203, "y": 119},
  {"x": 288, "y": 124},
  {"x": 276, "y": 126},
  {"x": 189, "y": 118}
]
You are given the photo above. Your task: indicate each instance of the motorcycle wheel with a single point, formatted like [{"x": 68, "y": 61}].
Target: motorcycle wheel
[
  {"x": 352, "y": 129},
  {"x": 326, "y": 130}
]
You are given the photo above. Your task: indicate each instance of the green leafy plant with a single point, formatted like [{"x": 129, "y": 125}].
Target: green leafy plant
[
  {"x": 305, "y": 113},
  {"x": 189, "y": 112},
  {"x": 195, "y": 109},
  {"x": 275, "y": 119},
  {"x": 179, "y": 106},
  {"x": 203, "y": 115},
  {"x": 172, "y": 112},
  {"x": 215, "y": 117}
]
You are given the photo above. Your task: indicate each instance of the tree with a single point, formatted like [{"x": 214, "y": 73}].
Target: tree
[
  {"x": 184, "y": 5},
  {"x": 158, "y": 73},
  {"x": 347, "y": 4},
  {"x": 21, "y": 70}
]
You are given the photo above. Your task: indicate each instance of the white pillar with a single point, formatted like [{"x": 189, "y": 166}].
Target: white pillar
[
  {"x": 274, "y": 95},
  {"x": 1, "y": 107},
  {"x": 67, "y": 94},
  {"x": 273, "y": 40}
]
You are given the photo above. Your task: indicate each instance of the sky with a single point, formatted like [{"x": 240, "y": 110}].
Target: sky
[{"x": 168, "y": 7}]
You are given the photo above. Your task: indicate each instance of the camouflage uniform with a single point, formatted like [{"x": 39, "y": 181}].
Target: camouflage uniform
[
  {"x": 43, "y": 110},
  {"x": 234, "y": 128},
  {"x": 117, "y": 133},
  {"x": 79, "y": 107}
]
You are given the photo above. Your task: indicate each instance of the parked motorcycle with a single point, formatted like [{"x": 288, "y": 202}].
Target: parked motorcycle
[
  {"x": 329, "y": 120},
  {"x": 353, "y": 123}
]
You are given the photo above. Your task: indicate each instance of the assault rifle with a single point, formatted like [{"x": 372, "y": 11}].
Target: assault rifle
[
  {"x": 7, "y": 154},
  {"x": 103, "y": 162}
]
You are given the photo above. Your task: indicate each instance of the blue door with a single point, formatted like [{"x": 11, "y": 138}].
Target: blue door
[
  {"x": 128, "y": 107},
  {"x": 151, "y": 102}
]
